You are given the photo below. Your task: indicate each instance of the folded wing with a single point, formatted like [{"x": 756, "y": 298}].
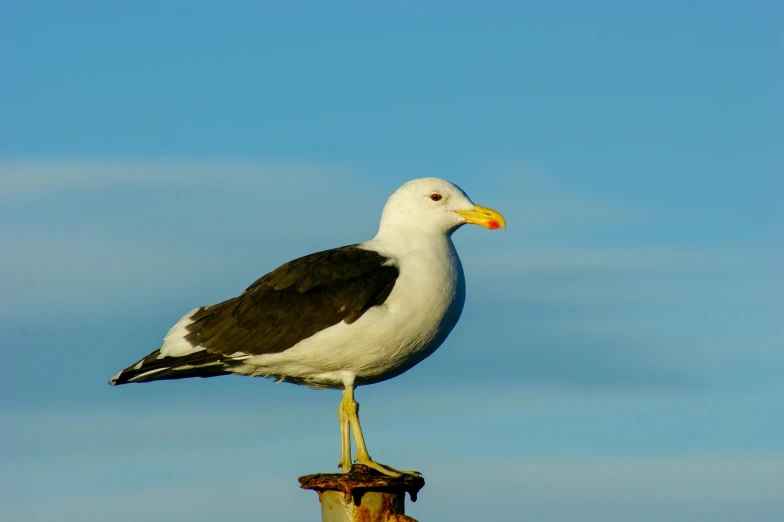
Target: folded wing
[{"x": 291, "y": 303}]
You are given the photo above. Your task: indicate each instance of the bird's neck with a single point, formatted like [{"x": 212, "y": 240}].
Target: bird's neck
[{"x": 399, "y": 240}]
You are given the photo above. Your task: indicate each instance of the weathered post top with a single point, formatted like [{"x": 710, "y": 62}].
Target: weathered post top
[{"x": 363, "y": 495}]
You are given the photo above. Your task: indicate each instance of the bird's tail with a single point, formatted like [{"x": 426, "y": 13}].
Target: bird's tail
[{"x": 155, "y": 368}]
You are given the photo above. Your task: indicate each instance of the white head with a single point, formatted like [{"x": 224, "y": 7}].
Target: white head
[{"x": 434, "y": 205}]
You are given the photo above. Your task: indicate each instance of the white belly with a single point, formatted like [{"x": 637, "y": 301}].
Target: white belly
[{"x": 387, "y": 340}]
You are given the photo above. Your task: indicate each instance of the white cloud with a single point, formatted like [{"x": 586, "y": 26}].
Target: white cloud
[
  {"x": 612, "y": 257},
  {"x": 684, "y": 488},
  {"x": 226, "y": 481},
  {"x": 213, "y": 227},
  {"x": 208, "y": 219},
  {"x": 30, "y": 178},
  {"x": 537, "y": 202},
  {"x": 205, "y": 459}
]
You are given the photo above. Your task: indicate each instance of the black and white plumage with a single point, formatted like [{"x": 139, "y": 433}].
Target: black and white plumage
[
  {"x": 286, "y": 306},
  {"x": 340, "y": 318}
]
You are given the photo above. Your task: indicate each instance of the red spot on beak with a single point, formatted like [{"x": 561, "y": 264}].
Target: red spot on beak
[{"x": 492, "y": 225}]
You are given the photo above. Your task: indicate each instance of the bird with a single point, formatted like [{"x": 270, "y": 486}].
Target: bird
[{"x": 340, "y": 318}]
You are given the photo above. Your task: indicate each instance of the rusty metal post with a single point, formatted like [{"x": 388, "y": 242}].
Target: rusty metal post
[{"x": 363, "y": 495}]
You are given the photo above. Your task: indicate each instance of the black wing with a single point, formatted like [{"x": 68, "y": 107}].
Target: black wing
[{"x": 291, "y": 303}]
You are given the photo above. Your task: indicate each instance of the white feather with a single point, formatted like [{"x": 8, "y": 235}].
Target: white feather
[
  {"x": 156, "y": 370},
  {"x": 174, "y": 343}
]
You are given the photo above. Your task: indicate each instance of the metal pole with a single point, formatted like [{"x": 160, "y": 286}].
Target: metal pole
[{"x": 363, "y": 495}]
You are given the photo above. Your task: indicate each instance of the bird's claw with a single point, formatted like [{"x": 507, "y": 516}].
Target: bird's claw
[{"x": 386, "y": 470}]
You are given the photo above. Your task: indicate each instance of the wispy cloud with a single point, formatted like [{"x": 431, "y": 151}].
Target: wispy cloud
[
  {"x": 612, "y": 257},
  {"x": 726, "y": 488},
  {"x": 28, "y": 178},
  {"x": 106, "y": 238},
  {"x": 670, "y": 487},
  {"x": 150, "y": 463},
  {"x": 540, "y": 203},
  {"x": 107, "y": 233}
]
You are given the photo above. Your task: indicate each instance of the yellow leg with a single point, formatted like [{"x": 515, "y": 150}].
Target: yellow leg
[
  {"x": 351, "y": 408},
  {"x": 345, "y": 438}
]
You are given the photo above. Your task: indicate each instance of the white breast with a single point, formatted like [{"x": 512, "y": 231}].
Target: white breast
[{"x": 387, "y": 340}]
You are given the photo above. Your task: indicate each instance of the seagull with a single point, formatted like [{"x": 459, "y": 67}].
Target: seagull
[{"x": 340, "y": 318}]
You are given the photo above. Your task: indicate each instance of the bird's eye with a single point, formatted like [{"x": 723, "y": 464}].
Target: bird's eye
[{"x": 436, "y": 197}]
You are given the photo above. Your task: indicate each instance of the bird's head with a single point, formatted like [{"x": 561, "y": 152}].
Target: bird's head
[{"x": 437, "y": 206}]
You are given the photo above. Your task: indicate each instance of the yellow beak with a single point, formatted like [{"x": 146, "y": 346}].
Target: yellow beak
[{"x": 486, "y": 217}]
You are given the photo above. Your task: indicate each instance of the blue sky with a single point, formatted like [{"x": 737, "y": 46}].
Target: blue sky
[{"x": 620, "y": 354}]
